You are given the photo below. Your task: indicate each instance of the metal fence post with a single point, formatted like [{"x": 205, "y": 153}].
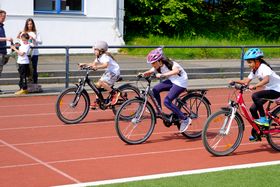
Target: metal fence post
[
  {"x": 242, "y": 64},
  {"x": 67, "y": 67}
]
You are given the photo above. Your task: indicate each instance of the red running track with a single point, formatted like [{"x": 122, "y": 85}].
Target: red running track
[{"x": 39, "y": 150}]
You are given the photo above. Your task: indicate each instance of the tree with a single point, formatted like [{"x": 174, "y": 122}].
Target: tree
[{"x": 211, "y": 18}]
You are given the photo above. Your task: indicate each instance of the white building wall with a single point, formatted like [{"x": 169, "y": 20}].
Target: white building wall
[{"x": 97, "y": 23}]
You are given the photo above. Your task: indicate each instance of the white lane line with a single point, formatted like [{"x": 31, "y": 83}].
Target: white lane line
[
  {"x": 40, "y": 161},
  {"x": 173, "y": 174},
  {"x": 118, "y": 156},
  {"x": 82, "y": 139},
  {"x": 107, "y": 157}
]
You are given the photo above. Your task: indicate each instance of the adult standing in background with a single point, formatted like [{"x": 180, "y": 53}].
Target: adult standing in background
[
  {"x": 35, "y": 40},
  {"x": 3, "y": 42}
]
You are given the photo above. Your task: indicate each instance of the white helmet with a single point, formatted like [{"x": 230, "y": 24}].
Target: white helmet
[{"x": 101, "y": 45}]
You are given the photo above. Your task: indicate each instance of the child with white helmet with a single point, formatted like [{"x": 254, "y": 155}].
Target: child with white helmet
[
  {"x": 104, "y": 60},
  {"x": 176, "y": 82},
  {"x": 269, "y": 80}
]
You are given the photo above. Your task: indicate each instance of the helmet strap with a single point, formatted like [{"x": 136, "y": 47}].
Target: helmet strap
[
  {"x": 160, "y": 63},
  {"x": 257, "y": 64},
  {"x": 100, "y": 52}
]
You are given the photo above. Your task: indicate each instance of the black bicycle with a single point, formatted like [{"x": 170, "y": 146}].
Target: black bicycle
[
  {"x": 136, "y": 118},
  {"x": 73, "y": 103}
]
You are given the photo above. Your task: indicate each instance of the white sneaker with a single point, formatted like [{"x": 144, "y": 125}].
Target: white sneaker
[{"x": 185, "y": 124}]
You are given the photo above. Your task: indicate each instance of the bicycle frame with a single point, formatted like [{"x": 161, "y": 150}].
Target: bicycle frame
[
  {"x": 82, "y": 83},
  {"x": 240, "y": 102},
  {"x": 149, "y": 94}
]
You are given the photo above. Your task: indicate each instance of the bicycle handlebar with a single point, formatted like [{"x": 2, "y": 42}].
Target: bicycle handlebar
[
  {"x": 86, "y": 67},
  {"x": 239, "y": 86},
  {"x": 148, "y": 78}
]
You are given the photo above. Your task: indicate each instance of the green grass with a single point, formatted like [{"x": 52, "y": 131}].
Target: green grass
[
  {"x": 252, "y": 177},
  {"x": 198, "y": 53}
]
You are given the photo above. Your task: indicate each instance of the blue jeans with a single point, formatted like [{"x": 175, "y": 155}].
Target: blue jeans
[
  {"x": 174, "y": 92},
  {"x": 34, "y": 62}
]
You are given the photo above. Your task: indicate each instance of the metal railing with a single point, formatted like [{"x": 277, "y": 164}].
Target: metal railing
[{"x": 67, "y": 54}]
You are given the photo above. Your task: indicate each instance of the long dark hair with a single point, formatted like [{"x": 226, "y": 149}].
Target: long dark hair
[
  {"x": 167, "y": 62},
  {"x": 262, "y": 62},
  {"x": 26, "y": 25}
]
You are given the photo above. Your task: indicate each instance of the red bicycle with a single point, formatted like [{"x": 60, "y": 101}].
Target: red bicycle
[{"x": 223, "y": 130}]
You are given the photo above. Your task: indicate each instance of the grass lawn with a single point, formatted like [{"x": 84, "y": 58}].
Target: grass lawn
[{"x": 265, "y": 176}]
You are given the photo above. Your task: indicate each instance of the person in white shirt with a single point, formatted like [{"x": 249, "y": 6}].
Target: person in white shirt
[
  {"x": 34, "y": 40},
  {"x": 23, "y": 63},
  {"x": 105, "y": 60},
  {"x": 176, "y": 82},
  {"x": 268, "y": 80}
]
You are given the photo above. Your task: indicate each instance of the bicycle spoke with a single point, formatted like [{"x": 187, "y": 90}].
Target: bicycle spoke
[
  {"x": 133, "y": 123},
  {"x": 198, "y": 110},
  {"x": 218, "y": 137}
]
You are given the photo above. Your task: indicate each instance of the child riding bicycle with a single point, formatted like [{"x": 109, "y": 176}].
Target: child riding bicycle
[
  {"x": 176, "y": 82},
  {"x": 105, "y": 60},
  {"x": 268, "y": 79}
]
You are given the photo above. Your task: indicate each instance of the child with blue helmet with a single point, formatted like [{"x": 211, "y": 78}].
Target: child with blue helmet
[{"x": 268, "y": 80}]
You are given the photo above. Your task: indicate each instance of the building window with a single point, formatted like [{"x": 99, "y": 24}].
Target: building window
[{"x": 58, "y": 6}]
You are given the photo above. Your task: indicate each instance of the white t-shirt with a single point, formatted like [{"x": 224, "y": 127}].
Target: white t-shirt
[
  {"x": 38, "y": 41},
  {"x": 23, "y": 59},
  {"x": 181, "y": 80},
  {"x": 113, "y": 66},
  {"x": 274, "y": 79}
]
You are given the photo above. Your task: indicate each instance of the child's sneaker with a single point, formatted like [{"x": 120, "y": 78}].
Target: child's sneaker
[
  {"x": 21, "y": 92},
  {"x": 185, "y": 124},
  {"x": 254, "y": 139},
  {"x": 114, "y": 97},
  {"x": 93, "y": 105},
  {"x": 262, "y": 121}
]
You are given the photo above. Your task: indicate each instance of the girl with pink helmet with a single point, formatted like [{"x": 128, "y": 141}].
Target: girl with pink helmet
[{"x": 176, "y": 82}]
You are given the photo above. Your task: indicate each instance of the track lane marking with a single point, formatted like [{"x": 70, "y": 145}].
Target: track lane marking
[{"x": 39, "y": 162}]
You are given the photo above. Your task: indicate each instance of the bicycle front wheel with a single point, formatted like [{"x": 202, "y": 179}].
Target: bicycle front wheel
[
  {"x": 71, "y": 107},
  {"x": 198, "y": 110},
  {"x": 127, "y": 92},
  {"x": 135, "y": 124},
  {"x": 273, "y": 138},
  {"x": 221, "y": 135}
]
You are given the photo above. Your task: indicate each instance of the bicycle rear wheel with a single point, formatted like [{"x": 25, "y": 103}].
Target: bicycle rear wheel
[
  {"x": 200, "y": 111},
  {"x": 135, "y": 124},
  {"x": 126, "y": 92},
  {"x": 70, "y": 107},
  {"x": 273, "y": 138},
  {"x": 214, "y": 136}
]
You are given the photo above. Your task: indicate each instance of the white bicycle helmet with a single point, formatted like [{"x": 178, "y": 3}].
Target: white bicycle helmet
[{"x": 101, "y": 45}]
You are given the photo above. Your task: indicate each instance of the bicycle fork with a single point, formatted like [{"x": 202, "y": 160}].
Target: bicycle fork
[
  {"x": 228, "y": 121},
  {"x": 139, "y": 112},
  {"x": 77, "y": 96}
]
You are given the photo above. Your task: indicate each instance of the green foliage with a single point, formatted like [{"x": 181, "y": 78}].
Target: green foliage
[
  {"x": 198, "y": 52},
  {"x": 230, "y": 19}
]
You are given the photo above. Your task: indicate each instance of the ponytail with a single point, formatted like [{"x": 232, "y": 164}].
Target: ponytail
[{"x": 262, "y": 61}]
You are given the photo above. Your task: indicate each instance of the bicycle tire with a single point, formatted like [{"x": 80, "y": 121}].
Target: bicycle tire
[
  {"x": 126, "y": 92},
  {"x": 132, "y": 132},
  {"x": 213, "y": 129},
  {"x": 201, "y": 108},
  {"x": 274, "y": 138},
  {"x": 72, "y": 114}
]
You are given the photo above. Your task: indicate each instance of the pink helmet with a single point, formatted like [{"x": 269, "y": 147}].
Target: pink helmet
[{"x": 155, "y": 55}]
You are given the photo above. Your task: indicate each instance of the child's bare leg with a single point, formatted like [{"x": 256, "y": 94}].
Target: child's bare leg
[{"x": 105, "y": 85}]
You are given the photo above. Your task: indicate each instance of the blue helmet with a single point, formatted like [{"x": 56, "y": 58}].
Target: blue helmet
[{"x": 253, "y": 53}]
